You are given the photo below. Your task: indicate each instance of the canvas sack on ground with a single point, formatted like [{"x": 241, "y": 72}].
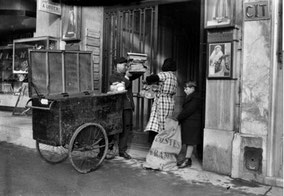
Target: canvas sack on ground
[{"x": 165, "y": 147}]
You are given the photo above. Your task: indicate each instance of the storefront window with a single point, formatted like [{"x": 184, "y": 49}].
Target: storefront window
[
  {"x": 21, "y": 51},
  {"x": 6, "y": 76}
]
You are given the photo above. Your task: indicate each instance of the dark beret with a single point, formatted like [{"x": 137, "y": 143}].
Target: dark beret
[
  {"x": 191, "y": 84},
  {"x": 120, "y": 60}
]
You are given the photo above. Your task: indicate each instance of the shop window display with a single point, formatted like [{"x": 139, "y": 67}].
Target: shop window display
[
  {"x": 6, "y": 77},
  {"x": 14, "y": 62},
  {"x": 21, "y": 47}
]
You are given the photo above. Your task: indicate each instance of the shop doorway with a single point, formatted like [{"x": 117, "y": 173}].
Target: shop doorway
[{"x": 161, "y": 31}]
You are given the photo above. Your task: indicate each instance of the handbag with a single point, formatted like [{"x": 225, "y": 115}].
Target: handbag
[{"x": 147, "y": 92}]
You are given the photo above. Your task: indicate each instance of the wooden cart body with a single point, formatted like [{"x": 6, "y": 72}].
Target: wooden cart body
[{"x": 55, "y": 123}]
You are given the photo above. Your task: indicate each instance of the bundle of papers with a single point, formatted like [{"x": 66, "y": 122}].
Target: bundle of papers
[{"x": 137, "y": 62}]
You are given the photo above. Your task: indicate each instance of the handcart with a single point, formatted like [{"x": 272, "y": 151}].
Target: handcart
[
  {"x": 71, "y": 124},
  {"x": 77, "y": 125}
]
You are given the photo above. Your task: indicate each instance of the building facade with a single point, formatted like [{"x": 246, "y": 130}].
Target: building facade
[{"x": 233, "y": 49}]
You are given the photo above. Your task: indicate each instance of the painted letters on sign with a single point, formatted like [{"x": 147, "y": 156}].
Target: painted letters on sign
[
  {"x": 49, "y": 6},
  {"x": 256, "y": 10}
]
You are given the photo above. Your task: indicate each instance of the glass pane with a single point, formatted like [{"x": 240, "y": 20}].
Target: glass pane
[
  {"x": 21, "y": 50},
  {"x": 71, "y": 73},
  {"x": 85, "y": 72},
  {"x": 39, "y": 76},
  {"x": 52, "y": 45},
  {"x": 55, "y": 73}
]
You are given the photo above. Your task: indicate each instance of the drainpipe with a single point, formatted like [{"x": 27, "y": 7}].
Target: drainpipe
[{"x": 275, "y": 26}]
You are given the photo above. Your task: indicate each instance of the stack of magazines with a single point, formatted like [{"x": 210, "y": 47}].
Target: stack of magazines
[{"x": 137, "y": 62}]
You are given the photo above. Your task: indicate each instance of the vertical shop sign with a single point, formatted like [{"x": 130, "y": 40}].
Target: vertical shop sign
[
  {"x": 256, "y": 10},
  {"x": 49, "y": 6}
]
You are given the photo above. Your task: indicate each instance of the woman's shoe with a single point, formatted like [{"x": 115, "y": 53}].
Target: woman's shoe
[{"x": 186, "y": 163}]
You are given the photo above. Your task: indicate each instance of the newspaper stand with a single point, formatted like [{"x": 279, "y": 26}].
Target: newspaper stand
[{"x": 75, "y": 122}]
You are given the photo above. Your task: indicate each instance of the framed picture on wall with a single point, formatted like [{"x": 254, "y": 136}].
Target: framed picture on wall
[
  {"x": 71, "y": 22},
  {"x": 219, "y": 13},
  {"x": 220, "y": 60}
]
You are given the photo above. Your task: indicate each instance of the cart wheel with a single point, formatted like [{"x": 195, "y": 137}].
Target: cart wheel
[
  {"x": 52, "y": 154},
  {"x": 88, "y": 147}
]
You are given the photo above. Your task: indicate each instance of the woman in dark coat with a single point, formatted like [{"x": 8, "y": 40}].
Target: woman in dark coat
[{"x": 190, "y": 121}]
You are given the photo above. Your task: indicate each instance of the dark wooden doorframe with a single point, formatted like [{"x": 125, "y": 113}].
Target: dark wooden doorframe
[
  {"x": 131, "y": 29},
  {"x": 113, "y": 49}
]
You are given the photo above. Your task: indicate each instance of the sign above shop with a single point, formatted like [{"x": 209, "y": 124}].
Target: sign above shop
[
  {"x": 221, "y": 36},
  {"x": 49, "y": 6},
  {"x": 256, "y": 10}
]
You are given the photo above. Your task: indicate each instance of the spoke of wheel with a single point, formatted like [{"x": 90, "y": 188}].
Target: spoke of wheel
[
  {"x": 98, "y": 133},
  {"x": 52, "y": 154},
  {"x": 87, "y": 141}
]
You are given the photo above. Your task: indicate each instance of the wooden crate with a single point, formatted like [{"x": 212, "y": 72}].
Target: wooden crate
[{"x": 57, "y": 125}]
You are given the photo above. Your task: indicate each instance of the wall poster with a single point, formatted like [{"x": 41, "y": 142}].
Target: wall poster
[
  {"x": 220, "y": 60},
  {"x": 71, "y": 22}
]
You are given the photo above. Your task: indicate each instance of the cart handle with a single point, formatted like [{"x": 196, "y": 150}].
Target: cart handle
[{"x": 37, "y": 107}]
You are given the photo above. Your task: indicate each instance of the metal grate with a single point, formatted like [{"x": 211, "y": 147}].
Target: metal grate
[{"x": 131, "y": 30}]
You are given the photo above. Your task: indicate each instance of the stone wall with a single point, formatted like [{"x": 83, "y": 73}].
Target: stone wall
[{"x": 250, "y": 144}]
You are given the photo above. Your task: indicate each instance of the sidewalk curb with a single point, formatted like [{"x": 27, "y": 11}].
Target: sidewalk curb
[
  {"x": 199, "y": 176},
  {"x": 20, "y": 133}
]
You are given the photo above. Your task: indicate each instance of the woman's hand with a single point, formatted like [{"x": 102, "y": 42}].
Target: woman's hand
[{"x": 144, "y": 82}]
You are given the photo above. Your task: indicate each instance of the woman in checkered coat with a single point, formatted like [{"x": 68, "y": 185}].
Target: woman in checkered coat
[{"x": 163, "y": 104}]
